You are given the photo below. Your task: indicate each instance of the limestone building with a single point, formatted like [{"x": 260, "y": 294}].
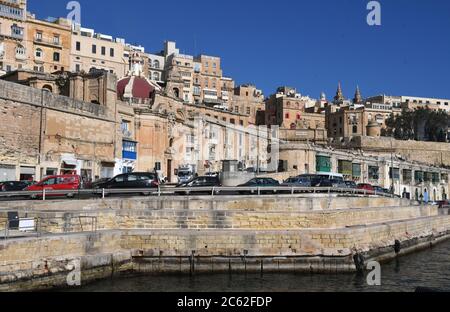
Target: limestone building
[
  {"x": 13, "y": 35},
  {"x": 248, "y": 100},
  {"x": 287, "y": 109},
  {"x": 48, "y": 44},
  {"x": 93, "y": 51}
]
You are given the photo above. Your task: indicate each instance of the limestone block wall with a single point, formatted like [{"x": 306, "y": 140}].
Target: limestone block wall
[{"x": 60, "y": 222}]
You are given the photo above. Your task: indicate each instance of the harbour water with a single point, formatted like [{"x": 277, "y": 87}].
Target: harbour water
[{"x": 429, "y": 268}]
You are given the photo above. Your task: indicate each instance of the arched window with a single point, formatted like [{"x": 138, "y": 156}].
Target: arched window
[
  {"x": 176, "y": 92},
  {"x": 156, "y": 64},
  {"x": 39, "y": 53},
  {"x": 20, "y": 50},
  {"x": 156, "y": 76},
  {"x": 48, "y": 87}
]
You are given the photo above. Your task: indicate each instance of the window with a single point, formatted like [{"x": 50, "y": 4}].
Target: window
[
  {"x": 125, "y": 125},
  {"x": 396, "y": 173},
  {"x": 77, "y": 68},
  {"x": 39, "y": 53},
  {"x": 16, "y": 31},
  {"x": 78, "y": 46},
  {"x": 286, "y": 116},
  {"x": 374, "y": 173},
  {"x": 111, "y": 52},
  {"x": 56, "y": 57},
  {"x": 103, "y": 51},
  {"x": 94, "y": 49},
  {"x": 129, "y": 146},
  {"x": 156, "y": 64},
  {"x": 214, "y": 65},
  {"x": 119, "y": 179},
  {"x": 355, "y": 129},
  {"x": 248, "y": 111},
  {"x": 39, "y": 36},
  {"x": 156, "y": 76},
  {"x": 20, "y": 51},
  {"x": 236, "y": 109},
  {"x": 299, "y": 116},
  {"x": 56, "y": 40}
]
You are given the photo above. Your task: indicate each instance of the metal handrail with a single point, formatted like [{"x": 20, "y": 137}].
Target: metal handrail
[
  {"x": 190, "y": 190},
  {"x": 39, "y": 229}
]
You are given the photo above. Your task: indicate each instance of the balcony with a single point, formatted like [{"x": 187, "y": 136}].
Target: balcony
[
  {"x": 129, "y": 155},
  {"x": 21, "y": 57},
  {"x": 12, "y": 36},
  {"x": 11, "y": 9},
  {"x": 49, "y": 43}
]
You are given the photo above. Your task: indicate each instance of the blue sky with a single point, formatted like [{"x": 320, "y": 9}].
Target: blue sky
[{"x": 310, "y": 45}]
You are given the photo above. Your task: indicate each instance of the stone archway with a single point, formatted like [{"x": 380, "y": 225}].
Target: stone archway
[{"x": 47, "y": 87}]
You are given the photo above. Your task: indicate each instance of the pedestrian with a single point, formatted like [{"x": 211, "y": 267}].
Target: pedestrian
[{"x": 426, "y": 197}]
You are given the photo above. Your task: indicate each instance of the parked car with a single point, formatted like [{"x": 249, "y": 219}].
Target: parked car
[
  {"x": 12, "y": 186},
  {"x": 381, "y": 190},
  {"x": 351, "y": 185},
  {"x": 297, "y": 181},
  {"x": 366, "y": 187},
  {"x": 134, "y": 180},
  {"x": 205, "y": 181},
  {"x": 57, "y": 183},
  {"x": 261, "y": 183},
  {"x": 212, "y": 174},
  {"x": 443, "y": 203},
  {"x": 98, "y": 182}
]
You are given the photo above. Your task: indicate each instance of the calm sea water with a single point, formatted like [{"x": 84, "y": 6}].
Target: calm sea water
[{"x": 429, "y": 268}]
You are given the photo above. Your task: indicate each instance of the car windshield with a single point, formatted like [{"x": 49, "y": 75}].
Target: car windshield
[{"x": 183, "y": 174}]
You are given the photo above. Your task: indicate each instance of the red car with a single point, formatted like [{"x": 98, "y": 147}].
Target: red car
[
  {"x": 366, "y": 187},
  {"x": 55, "y": 183}
]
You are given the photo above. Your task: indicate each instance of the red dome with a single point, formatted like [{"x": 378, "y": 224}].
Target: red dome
[{"x": 141, "y": 88}]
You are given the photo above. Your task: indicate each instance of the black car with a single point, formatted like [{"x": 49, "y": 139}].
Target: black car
[
  {"x": 205, "y": 181},
  {"x": 135, "y": 180},
  {"x": 351, "y": 185},
  {"x": 381, "y": 190},
  {"x": 261, "y": 183},
  {"x": 13, "y": 186}
]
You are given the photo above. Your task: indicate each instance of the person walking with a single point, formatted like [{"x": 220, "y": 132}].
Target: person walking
[{"x": 426, "y": 197}]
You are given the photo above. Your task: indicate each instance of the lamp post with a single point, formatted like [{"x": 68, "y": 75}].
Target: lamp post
[{"x": 392, "y": 169}]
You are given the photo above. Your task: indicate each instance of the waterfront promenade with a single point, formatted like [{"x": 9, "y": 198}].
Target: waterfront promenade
[{"x": 204, "y": 234}]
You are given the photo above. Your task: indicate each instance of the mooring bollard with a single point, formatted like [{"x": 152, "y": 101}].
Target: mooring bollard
[
  {"x": 103, "y": 193},
  {"x": 43, "y": 194}
]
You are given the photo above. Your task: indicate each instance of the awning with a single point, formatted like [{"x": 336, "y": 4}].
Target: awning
[
  {"x": 69, "y": 162},
  {"x": 28, "y": 170}
]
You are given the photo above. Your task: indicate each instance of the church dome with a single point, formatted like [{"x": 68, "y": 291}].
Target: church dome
[{"x": 136, "y": 87}]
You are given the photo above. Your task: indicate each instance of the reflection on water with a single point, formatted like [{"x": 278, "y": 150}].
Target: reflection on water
[{"x": 429, "y": 268}]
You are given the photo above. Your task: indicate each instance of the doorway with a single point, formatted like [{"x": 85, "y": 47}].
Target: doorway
[{"x": 169, "y": 170}]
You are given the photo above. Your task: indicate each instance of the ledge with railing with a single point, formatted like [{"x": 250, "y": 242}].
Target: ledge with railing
[
  {"x": 39, "y": 226},
  {"x": 170, "y": 190}
]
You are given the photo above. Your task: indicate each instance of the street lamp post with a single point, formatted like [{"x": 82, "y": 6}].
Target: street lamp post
[{"x": 392, "y": 169}]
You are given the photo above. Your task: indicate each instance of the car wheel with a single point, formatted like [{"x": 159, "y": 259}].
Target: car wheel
[
  {"x": 145, "y": 194},
  {"x": 70, "y": 195},
  {"x": 33, "y": 197}
]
